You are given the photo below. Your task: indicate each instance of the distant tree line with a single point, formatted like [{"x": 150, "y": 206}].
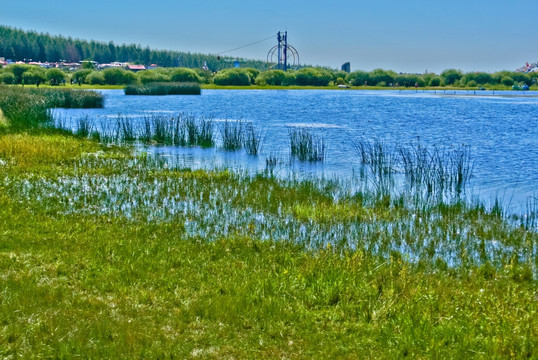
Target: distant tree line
[
  {"x": 20, "y": 45},
  {"x": 34, "y": 74},
  {"x": 450, "y": 77}
]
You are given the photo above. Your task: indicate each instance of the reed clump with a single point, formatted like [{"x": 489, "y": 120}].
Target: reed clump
[
  {"x": 427, "y": 171},
  {"x": 305, "y": 146},
  {"x": 28, "y": 108},
  {"x": 71, "y": 98},
  {"x": 238, "y": 135},
  {"x": 179, "y": 130},
  {"x": 251, "y": 140},
  {"x": 164, "y": 88},
  {"x": 232, "y": 133}
]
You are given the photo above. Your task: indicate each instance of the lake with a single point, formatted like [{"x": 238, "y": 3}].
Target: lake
[{"x": 500, "y": 128}]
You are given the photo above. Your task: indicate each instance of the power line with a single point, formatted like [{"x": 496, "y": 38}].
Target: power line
[{"x": 244, "y": 46}]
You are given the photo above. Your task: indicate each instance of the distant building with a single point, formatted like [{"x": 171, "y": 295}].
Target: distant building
[
  {"x": 237, "y": 64},
  {"x": 136, "y": 68},
  {"x": 346, "y": 67}
]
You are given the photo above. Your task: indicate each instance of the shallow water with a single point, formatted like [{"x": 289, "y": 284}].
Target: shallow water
[{"x": 501, "y": 129}]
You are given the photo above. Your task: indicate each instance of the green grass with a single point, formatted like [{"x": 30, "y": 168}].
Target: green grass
[{"x": 107, "y": 254}]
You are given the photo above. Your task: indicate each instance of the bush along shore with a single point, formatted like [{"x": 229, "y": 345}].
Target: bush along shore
[
  {"x": 106, "y": 253},
  {"x": 244, "y": 78}
]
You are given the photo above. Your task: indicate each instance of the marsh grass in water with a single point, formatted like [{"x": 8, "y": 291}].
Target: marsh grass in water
[
  {"x": 428, "y": 172},
  {"x": 180, "y": 130},
  {"x": 252, "y": 141},
  {"x": 305, "y": 146},
  {"x": 232, "y": 133},
  {"x": 236, "y": 135},
  {"x": 106, "y": 254}
]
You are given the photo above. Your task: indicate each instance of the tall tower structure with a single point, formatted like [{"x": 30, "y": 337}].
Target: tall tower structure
[{"x": 285, "y": 55}]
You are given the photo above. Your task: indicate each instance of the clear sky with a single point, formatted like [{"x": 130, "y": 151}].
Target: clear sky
[{"x": 404, "y": 36}]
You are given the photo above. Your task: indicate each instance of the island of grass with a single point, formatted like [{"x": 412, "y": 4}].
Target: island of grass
[
  {"x": 106, "y": 253},
  {"x": 163, "y": 88}
]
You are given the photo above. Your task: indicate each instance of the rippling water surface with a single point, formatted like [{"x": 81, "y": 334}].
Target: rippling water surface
[{"x": 501, "y": 129}]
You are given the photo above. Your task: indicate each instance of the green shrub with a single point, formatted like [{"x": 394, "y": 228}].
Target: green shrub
[
  {"x": 80, "y": 75},
  {"x": 358, "y": 78},
  {"x": 271, "y": 77},
  {"x": 472, "y": 83},
  {"x": 55, "y": 76},
  {"x": 409, "y": 80},
  {"x": 118, "y": 76},
  {"x": 479, "y": 78},
  {"x": 185, "y": 75},
  {"x": 95, "y": 78},
  {"x": 435, "y": 81},
  {"x": 507, "y": 81},
  {"x": 450, "y": 76},
  {"x": 152, "y": 76},
  {"x": 312, "y": 77},
  {"x": 234, "y": 77},
  {"x": 17, "y": 70},
  {"x": 34, "y": 76},
  {"x": 7, "y": 78},
  {"x": 378, "y": 76},
  {"x": 252, "y": 73}
]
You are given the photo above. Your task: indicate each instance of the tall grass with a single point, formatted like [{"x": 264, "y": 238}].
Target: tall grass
[
  {"x": 71, "y": 98},
  {"x": 305, "y": 146},
  {"x": 27, "y": 108},
  {"x": 84, "y": 128},
  {"x": 427, "y": 171},
  {"x": 251, "y": 140},
  {"x": 380, "y": 158},
  {"x": 232, "y": 133},
  {"x": 164, "y": 89},
  {"x": 22, "y": 108},
  {"x": 437, "y": 170},
  {"x": 204, "y": 133},
  {"x": 180, "y": 130}
]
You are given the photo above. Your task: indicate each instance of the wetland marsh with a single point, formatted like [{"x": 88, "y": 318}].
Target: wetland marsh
[{"x": 107, "y": 251}]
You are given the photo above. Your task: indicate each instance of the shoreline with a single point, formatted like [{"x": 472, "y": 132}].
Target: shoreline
[{"x": 273, "y": 87}]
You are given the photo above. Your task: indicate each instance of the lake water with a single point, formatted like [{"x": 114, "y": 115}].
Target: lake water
[{"x": 501, "y": 129}]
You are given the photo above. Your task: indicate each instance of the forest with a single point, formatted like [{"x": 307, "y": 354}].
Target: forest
[{"x": 20, "y": 45}]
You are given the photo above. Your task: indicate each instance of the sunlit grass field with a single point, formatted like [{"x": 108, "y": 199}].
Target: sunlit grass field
[{"x": 108, "y": 253}]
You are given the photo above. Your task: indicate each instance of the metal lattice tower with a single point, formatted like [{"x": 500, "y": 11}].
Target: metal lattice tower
[{"x": 283, "y": 54}]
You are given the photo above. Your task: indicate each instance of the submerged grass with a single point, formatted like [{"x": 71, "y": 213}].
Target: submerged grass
[{"x": 104, "y": 254}]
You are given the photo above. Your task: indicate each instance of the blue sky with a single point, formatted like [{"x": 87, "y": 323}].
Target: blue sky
[{"x": 405, "y": 36}]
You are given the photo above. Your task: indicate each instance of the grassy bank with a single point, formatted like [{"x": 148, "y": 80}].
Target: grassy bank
[{"x": 106, "y": 254}]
